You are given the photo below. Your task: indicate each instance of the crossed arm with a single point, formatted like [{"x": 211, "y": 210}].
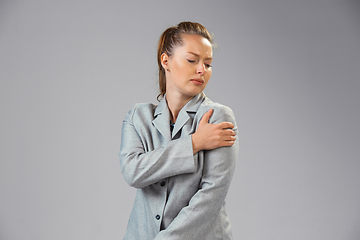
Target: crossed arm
[{"x": 141, "y": 168}]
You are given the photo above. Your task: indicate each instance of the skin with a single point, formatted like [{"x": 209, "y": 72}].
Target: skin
[{"x": 188, "y": 70}]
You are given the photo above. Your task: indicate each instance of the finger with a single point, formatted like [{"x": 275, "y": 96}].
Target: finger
[
  {"x": 225, "y": 125},
  {"x": 230, "y": 143},
  {"x": 205, "y": 118},
  {"x": 228, "y": 138},
  {"x": 232, "y": 139},
  {"x": 228, "y": 132},
  {"x": 227, "y": 143}
]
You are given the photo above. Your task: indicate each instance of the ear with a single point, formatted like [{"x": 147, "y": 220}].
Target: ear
[{"x": 165, "y": 61}]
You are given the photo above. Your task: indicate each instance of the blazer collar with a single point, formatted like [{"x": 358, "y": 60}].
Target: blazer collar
[
  {"x": 162, "y": 119},
  {"x": 184, "y": 115},
  {"x": 162, "y": 115}
]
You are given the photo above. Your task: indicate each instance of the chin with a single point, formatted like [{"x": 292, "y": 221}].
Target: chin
[{"x": 196, "y": 90}]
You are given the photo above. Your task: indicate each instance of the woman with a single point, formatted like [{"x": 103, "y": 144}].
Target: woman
[{"x": 181, "y": 153}]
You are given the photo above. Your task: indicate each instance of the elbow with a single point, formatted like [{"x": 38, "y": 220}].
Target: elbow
[
  {"x": 131, "y": 179},
  {"x": 129, "y": 172},
  {"x": 133, "y": 183}
]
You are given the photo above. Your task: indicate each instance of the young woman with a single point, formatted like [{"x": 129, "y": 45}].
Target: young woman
[{"x": 181, "y": 153}]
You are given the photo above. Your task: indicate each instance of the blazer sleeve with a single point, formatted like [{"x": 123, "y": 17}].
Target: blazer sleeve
[
  {"x": 196, "y": 220},
  {"x": 142, "y": 168}
]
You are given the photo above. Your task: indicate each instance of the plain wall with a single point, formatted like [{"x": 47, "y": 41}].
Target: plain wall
[{"x": 70, "y": 71}]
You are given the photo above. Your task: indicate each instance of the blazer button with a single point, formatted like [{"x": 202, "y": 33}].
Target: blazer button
[
  {"x": 162, "y": 183},
  {"x": 157, "y": 217}
]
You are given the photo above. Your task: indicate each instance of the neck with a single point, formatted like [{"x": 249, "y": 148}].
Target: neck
[{"x": 175, "y": 103}]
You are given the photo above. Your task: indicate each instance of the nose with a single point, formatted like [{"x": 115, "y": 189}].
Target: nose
[{"x": 201, "y": 69}]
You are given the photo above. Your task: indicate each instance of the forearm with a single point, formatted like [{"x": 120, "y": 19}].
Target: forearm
[{"x": 142, "y": 168}]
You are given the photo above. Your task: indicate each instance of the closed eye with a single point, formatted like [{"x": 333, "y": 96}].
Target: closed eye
[{"x": 194, "y": 61}]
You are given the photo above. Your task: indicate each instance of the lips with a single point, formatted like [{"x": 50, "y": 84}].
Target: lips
[{"x": 197, "y": 81}]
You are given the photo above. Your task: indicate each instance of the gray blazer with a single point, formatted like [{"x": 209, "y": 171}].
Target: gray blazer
[{"x": 180, "y": 195}]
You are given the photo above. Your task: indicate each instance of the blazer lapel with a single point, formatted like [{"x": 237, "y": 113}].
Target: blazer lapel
[
  {"x": 181, "y": 120},
  {"x": 184, "y": 115},
  {"x": 162, "y": 119}
]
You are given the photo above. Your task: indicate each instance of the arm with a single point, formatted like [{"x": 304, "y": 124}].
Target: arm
[
  {"x": 195, "y": 220},
  {"x": 141, "y": 168}
]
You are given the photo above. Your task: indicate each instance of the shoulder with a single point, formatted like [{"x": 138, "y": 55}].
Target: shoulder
[
  {"x": 141, "y": 110},
  {"x": 220, "y": 113}
]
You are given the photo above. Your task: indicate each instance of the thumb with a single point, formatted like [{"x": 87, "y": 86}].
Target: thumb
[{"x": 205, "y": 118}]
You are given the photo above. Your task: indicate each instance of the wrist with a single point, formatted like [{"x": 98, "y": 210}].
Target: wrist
[{"x": 195, "y": 144}]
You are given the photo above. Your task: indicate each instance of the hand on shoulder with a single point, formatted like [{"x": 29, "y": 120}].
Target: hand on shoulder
[{"x": 210, "y": 136}]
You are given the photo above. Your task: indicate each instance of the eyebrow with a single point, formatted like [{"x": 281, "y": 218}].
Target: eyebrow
[{"x": 209, "y": 58}]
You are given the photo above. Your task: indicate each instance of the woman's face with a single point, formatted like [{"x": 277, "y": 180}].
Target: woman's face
[{"x": 189, "y": 66}]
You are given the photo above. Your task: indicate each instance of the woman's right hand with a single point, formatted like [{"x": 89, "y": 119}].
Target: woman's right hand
[{"x": 210, "y": 136}]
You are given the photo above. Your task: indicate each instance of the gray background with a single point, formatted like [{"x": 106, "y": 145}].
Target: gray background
[{"x": 70, "y": 70}]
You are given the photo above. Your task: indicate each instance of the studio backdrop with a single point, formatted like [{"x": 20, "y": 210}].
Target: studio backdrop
[{"x": 71, "y": 70}]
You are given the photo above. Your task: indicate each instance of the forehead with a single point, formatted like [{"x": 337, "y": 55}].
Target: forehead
[{"x": 196, "y": 44}]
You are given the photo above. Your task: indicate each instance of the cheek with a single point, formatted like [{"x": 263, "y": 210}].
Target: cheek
[{"x": 180, "y": 70}]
